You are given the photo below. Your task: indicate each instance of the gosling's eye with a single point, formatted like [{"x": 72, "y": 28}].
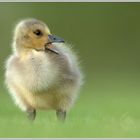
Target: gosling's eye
[{"x": 38, "y": 32}]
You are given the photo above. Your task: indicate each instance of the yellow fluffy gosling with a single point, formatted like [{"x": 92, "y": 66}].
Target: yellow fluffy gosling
[{"x": 42, "y": 72}]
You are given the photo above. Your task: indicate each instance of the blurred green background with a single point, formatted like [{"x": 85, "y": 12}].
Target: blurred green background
[{"x": 106, "y": 37}]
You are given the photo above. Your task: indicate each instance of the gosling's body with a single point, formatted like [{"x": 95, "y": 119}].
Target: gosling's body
[{"x": 43, "y": 79}]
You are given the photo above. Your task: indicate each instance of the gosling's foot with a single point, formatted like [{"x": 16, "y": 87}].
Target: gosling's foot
[
  {"x": 61, "y": 115},
  {"x": 31, "y": 114}
]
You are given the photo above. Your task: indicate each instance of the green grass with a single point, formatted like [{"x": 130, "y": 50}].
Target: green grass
[{"x": 103, "y": 115}]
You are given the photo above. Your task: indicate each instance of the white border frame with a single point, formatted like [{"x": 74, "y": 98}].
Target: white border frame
[{"x": 68, "y": 1}]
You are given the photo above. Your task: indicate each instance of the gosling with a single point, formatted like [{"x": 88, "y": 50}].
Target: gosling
[{"x": 42, "y": 72}]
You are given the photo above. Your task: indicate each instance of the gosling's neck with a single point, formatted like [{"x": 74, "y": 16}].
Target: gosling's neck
[{"x": 21, "y": 51}]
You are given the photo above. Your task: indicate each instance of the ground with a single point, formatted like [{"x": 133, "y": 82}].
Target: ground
[{"x": 93, "y": 115}]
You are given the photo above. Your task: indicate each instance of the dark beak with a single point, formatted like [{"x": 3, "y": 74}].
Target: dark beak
[{"x": 55, "y": 39}]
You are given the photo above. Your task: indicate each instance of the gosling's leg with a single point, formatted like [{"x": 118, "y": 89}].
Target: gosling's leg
[
  {"x": 61, "y": 115},
  {"x": 31, "y": 114}
]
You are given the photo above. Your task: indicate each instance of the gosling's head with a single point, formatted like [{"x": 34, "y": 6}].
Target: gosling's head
[{"x": 33, "y": 34}]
